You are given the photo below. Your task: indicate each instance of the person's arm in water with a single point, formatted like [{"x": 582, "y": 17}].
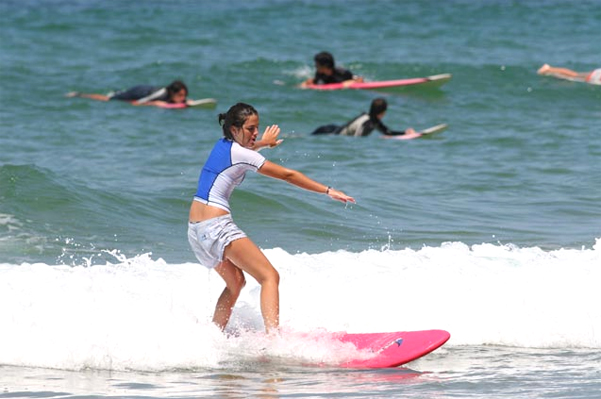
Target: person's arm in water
[
  {"x": 349, "y": 82},
  {"x": 102, "y": 97},
  {"x": 160, "y": 103},
  {"x": 300, "y": 180},
  {"x": 269, "y": 138},
  {"x": 349, "y": 78},
  {"x": 355, "y": 79},
  {"x": 307, "y": 82},
  {"x": 338, "y": 75},
  {"x": 386, "y": 131},
  {"x": 139, "y": 103},
  {"x": 155, "y": 103},
  {"x": 163, "y": 98}
]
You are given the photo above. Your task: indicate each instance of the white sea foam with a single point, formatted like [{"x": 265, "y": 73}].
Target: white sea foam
[
  {"x": 142, "y": 313},
  {"x": 303, "y": 72}
]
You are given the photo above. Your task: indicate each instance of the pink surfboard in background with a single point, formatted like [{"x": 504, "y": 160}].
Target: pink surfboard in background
[{"x": 433, "y": 81}]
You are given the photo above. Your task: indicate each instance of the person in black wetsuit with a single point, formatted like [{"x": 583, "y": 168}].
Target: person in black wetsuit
[
  {"x": 327, "y": 72},
  {"x": 365, "y": 123},
  {"x": 175, "y": 93}
]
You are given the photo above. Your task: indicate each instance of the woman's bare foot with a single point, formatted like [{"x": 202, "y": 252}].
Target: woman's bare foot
[{"x": 544, "y": 69}]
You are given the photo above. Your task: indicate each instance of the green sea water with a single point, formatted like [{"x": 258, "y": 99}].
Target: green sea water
[{"x": 519, "y": 163}]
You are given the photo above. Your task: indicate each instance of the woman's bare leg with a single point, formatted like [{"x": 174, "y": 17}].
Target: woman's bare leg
[
  {"x": 549, "y": 70},
  {"x": 234, "y": 282},
  {"x": 244, "y": 254},
  {"x": 99, "y": 97}
]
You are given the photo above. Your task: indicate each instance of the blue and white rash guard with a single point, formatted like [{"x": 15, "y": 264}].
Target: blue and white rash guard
[{"x": 224, "y": 170}]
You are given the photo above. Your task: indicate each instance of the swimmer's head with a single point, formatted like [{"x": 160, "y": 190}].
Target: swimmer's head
[
  {"x": 235, "y": 118},
  {"x": 324, "y": 63},
  {"x": 178, "y": 92},
  {"x": 378, "y": 108}
]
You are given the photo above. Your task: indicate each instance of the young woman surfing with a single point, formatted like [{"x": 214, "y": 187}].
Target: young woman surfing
[{"x": 216, "y": 241}]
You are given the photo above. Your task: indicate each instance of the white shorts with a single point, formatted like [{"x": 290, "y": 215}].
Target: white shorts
[{"x": 209, "y": 238}]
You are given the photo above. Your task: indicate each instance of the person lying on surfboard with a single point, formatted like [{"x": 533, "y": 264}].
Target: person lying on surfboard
[
  {"x": 327, "y": 72},
  {"x": 175, "y": 93},
  {"x": 214, "y": 237},
  {"x": 592, "y": 77},
  {"x": 365, "y": 124}
]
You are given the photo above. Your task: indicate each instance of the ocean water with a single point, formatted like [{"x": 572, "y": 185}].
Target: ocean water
[{"x": 490, "y": 230}]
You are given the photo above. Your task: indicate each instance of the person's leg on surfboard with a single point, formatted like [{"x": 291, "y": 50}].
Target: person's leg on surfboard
[{"x": 245, "y": 255}]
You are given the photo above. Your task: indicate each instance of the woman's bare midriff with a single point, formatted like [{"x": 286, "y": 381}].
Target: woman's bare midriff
[{"x": 200, "y": 212}]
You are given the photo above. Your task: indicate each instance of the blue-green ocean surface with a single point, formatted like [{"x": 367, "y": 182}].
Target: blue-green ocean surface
[{"x": 490, "y": 230}]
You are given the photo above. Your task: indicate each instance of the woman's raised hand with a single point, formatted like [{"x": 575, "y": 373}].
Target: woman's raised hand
[{"x": 270, "y": 136}]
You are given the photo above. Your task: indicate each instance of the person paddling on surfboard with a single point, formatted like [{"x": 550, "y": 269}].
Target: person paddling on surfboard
[
  {"x": 365, "y": 124},
  {"x": 327, "y": 72},
  {"x": 175, "y": 93},
  {"x": 215, "y": 240},
  {"x": 592, "y": 77}
]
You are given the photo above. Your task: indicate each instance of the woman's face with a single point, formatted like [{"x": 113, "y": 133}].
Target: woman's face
[
  {"x": 179, "y": 97},
  {"x": 247, "y": 134},
  {"x": 324, "y": 70}
]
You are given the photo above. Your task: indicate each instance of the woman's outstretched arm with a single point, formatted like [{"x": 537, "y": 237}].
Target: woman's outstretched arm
[{"x": 300, "y": 180}]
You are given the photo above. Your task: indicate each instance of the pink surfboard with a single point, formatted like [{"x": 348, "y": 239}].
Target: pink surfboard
[
  {"x": 433, "y": 81},
  {"x": 393, "y": 349}
]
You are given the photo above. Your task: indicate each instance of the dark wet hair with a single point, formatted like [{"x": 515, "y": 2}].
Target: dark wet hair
[
  {"x": 378, "y": 105},
  {"x": 235, "y": 116},
  {"x": 324, "y": 59},
  {"x": 175, "y": 87}
]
